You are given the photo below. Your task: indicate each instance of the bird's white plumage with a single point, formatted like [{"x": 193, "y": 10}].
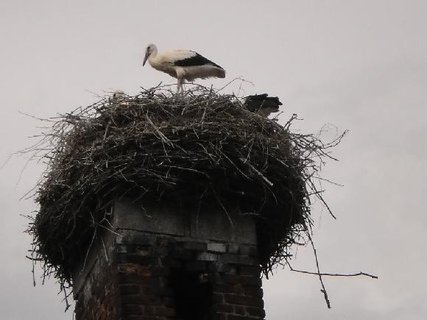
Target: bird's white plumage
[
  {"x": 182, "y": 64},
  {"x": 179, "y": 54}
]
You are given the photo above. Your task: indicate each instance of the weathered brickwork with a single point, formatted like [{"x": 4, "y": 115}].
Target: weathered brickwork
[
  {"x": 145, "y": 275},
  {"x": 96, "y": 288}
]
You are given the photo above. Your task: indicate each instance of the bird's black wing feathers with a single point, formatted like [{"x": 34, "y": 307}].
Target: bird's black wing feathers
[
  {"x": 196, "y": 60},
  {"x": 257, "y": 102}
]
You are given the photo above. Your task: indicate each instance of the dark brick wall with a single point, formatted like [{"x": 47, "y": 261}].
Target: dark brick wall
[
  {"x": 143, "y": 275},
  {"x": 95, "y": 286},
  {"x": 151, "y": 268}
]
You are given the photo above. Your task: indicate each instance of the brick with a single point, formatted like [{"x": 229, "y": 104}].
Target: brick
[
  {"x": 232, "y": 270},
  {"x": 148, "y": 286},
  {"x": 135, "y": 258},
  {"x": 231, "y": 279},
  {"x": 254, "y": 311},
  {"x": 145, "y": 300},
  {"x": 137, "y": 300},
  {"x": 220, "y": 316},
  {"x": 136, "y": 269},
  {"x": 196, "y": 266},
  {"x": 249, "y": 250},
  {"x": 135, "y": 238},
  {"x": 196, "y": 246},
  {"x": 220, "y": 267},
  {"x": 225, "y": 308},
  {"x": 216, "y": 247},
  {"x": 233, "y": 248},
  {"x": 171, "y": 263},
  {"x": 240, "y": 310},
  {"x": 233, "y": 317},
  {"x": 143, "y": 251},
  {"x": 121, "y": 248},
  {"x": 250, "y": 270},
  {"x": 128, "y": 309},
  {"x": 163, "y": 241},
  {"x": 165, "y": 311},
  {"x": 160, "y": 271},
  {"x": 120, "y": 239},
  {"x": 206, "y": 256},
  {"x": 128, "y": 289},
  {"x": 217, "y": 297},
  {"x": 243, "y": 300},
  {"x": 255, "y": 292},
  {"x": 223, "y": 288},
  {"x": 229, "y": 288},
  {"x": 149, "y": 310},
  {"x": 125, "y": 278},
  {"x": 163, "y": 251},
  {"x": 166, "y": 292},
  {"x": 238, "y": 259},
  {"x": 230, "y": 258},
  {"x": 168, "y": 302},
  {"x": 251, "y": 281},
  {"x": 182, "y": 254},
  {"x": 238, "y": 289}
]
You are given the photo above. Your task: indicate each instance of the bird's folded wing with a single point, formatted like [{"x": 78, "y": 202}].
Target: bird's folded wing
[{"x": 187, "y": 58}]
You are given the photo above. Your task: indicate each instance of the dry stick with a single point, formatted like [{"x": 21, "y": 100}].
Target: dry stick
[
  {"x": 33, "y": 262},
  {"x": 161, "y": 135},
  {"x": 319, "y": 196},
  {"x": 90, "y": 245},
  {"x": 334, "y": 274},
  {"x": 231, "y": 162},
  {"x": 259, "y": 173},
  {"x": 231, "y": 81},
  {"x": 66, "y": 296},
  {"x": 105, "y": 250},
  {"x": 321, "y": 274},
  {"x": 251, "y": 142},
  {"x": 330, "y": 181},
  {"x": 323, "y": 290},
  {"x": 223, "y": 207}
]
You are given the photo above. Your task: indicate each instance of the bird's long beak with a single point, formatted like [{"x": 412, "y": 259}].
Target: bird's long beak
[{"x": 145, "y": 58}]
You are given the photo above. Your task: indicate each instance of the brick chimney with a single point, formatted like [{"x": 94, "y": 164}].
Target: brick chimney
[{"x": 169, "y": 262}]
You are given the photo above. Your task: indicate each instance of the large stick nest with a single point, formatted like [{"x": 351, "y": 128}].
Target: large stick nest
[{"x": 198, "y": 147}]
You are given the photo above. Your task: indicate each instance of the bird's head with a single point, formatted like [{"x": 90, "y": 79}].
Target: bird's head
[{"x": 151, "y": 50}]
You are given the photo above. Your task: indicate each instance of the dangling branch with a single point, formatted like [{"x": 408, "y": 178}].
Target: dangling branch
[
  {"x": 323, "y": 290},
  {"x": 322, "y": 274}
]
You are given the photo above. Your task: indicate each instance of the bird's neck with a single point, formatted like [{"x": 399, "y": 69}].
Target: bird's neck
[
  {"x": 152, "y": 58},
  {"x": 153, "y": 54}
]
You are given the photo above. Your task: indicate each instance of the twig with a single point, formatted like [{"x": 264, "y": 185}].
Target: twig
[
  {"x": 334, "y": 274},
  {"x": 319, "y": 274}
]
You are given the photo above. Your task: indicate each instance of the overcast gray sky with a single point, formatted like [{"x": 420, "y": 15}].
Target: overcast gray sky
[{"x": 359, "y": 65}]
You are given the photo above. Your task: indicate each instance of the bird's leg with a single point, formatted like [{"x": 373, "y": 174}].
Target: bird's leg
[{"x": 179, "y": 85}]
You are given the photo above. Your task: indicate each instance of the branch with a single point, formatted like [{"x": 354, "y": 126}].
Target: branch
[
  {"x": 335, "y": 274},
  {"x": 322, "y": 274},
  {"x": 323, "y": 290}
]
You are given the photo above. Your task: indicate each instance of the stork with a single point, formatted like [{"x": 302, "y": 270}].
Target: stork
[
  {"x": 182, "y": 64},
  {"x": 262, "y": 104}
]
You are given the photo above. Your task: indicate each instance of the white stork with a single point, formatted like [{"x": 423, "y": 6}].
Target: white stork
[{"x": 182, "y": 64}]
